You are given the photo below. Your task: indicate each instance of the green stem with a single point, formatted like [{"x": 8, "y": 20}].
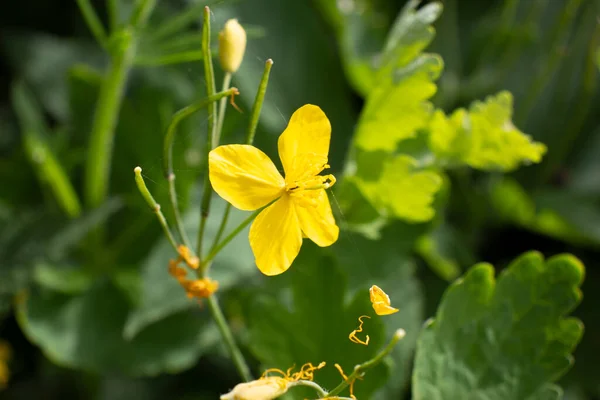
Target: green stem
[
  {"x": 179, "y": 116},
  {"x": 216, "y": 249},
  {"x": 209, "y": 75},
  {"x": 167, "y": 59},
  {"x": 222, "y": 227},
  {"x": 322, "y": 392},
  {"x": 109, "y": 103},
  {"x": 236, "y": 354},
  {"x": 139, "y": 180},
  {"x": 92, "y": 21},
  {"x": 113, "y": 14},
  {"x": 258, "y": 102},
  {"x": 222, "y": 108},
  {"x": 360, "y": 369}
]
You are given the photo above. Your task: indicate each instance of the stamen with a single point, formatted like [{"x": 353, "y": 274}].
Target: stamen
[{"x": 352, "y": 335}]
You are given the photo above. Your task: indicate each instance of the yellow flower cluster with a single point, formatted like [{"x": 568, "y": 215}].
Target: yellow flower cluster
[
  {"x": 195, "y": 288},
  {"x": 271, "y": 387}
]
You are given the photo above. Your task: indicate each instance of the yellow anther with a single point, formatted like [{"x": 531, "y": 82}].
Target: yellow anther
[{"x": 353, "y": 337}]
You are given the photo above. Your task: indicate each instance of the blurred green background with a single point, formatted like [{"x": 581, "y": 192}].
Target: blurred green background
[{"x": 104, "y": 321}]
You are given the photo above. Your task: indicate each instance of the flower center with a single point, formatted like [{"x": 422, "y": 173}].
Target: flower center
[{"x": 309, "y": 179}]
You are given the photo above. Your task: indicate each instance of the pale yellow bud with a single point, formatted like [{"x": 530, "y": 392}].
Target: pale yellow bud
[
  {"x": 266, "y": 388},
  {"x": 232, "y": 45}
]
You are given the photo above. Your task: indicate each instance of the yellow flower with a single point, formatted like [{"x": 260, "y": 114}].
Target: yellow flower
[
  {"x": 381, "y": 301},
  {"x": 232, "y": 45},
  {"x": 247, "y": 178}
]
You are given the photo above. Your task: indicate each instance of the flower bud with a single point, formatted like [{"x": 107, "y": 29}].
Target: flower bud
[{"x": 232, "y": 45}]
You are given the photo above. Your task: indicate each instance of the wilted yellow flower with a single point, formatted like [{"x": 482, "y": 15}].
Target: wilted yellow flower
[
  {"x": 200, "y": 288},
  {"x": 271, "y": 387},
  {"x": 232, "y": 45},
  {"x": 352, "y": 335},
  {"x": 247, "y": 178},
  {"x": 381, "y": 301}
]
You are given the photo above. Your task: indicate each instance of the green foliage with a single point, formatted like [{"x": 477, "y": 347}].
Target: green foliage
[
  {"x": 483, "y": 137},
  {"x": 504, "y": 339},
  {"x": 90, "y": 288},
  {"x": 86, "y": 331}
]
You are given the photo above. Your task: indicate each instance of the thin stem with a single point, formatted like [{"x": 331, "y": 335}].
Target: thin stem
[
  {"x": 167, "y": 59},
  {"x": 216, "y": 249},
  {"x": 209, "y": 75},
  {"x": 178, "y": 22},
  {"x": 222, "y": 227},
  {"x": 139, "y": 180},
  {"x": 142, "y": 11},
  {"x": 322, "y": 392},
  {"x": 258, "y": 102},
  {"x": 236, "y": 354},
  {"x": 93, "y": 22},
  {"x": 360, "y": 369},
  {"x": 179, "y": 116},
  {"x": 113, "y": 14},
  {"x": 222, "y": 108}
]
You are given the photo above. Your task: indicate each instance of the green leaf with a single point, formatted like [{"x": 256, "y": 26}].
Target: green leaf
[
  {"x": 162, "y": 296},
  {"x": 508, "y": 339},
  {"x": 316, "y": 325},
  {"x": 483, "y": 137},
  {"x": 401, "y": 190},
  {"x": 85, "y": 332},
  {"x": 396, "y": 106}
]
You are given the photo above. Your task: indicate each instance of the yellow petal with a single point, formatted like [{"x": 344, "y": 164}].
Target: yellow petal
[
  {"x": 244, "y": 176},
  {"x": 315, "y": 216},
  {"x": 381, "y": 301},
  {"x": 308, "y": 132},
  {"x": 275, "y": 237}
]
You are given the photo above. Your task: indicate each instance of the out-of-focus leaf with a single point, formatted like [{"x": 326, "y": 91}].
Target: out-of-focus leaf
[
  {"x": 43, "y": 61},
  {"x": 316, "y": 326},
  {"x": 63, "y": 278},
  {"x": 508, "y": 339},
  {"x": 443, "y": 250},
  {"x": 548, "y": 212},
  {"x": 483, "y": 137},
  {"x": 401, "y": 190},
  {"x": 85, "y": 332},
  {"x": 44, "y": 161},
  {"x": 396, "y": 106},
  {"x": 162, "y": 296},
  {"x": 361, "y": 29}
]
